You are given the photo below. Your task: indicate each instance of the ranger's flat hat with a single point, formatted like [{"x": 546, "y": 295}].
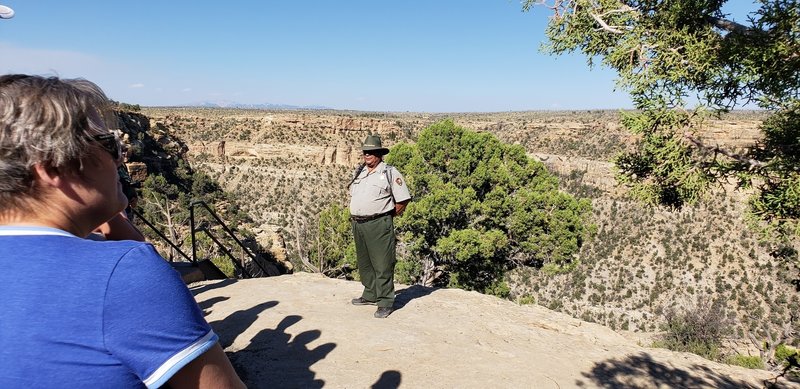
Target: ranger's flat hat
[{"x": 373, "y": 143}]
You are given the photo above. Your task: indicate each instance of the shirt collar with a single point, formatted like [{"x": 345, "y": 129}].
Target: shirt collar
[
  {"x": 32, "y": 230},
  {"x": 378, "y": 168}
]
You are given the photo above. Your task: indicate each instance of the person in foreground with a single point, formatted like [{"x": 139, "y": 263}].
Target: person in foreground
[
  {"x": 76, "y": 312},
  {"x": 378, "y": 193}
]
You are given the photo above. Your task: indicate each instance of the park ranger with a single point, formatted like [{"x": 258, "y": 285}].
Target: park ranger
[{"x": 378, "y": 193}]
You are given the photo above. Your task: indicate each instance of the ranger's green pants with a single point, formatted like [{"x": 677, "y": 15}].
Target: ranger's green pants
[{"x": 375, "y": 250}]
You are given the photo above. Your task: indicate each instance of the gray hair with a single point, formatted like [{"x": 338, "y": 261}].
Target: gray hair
[{"x": 45, "y": 120}]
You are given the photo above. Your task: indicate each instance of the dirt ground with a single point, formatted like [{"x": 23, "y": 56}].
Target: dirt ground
[{"x": 300, "y": 331}]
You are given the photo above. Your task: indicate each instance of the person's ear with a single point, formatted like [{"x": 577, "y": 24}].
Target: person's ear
[{"x": 47, "y": 175}]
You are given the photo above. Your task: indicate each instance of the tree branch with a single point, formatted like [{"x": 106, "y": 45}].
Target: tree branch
[
  {"x": 605, "y": 26},
  {"x": 731, "y": 26},
  {"x": 788, "y": 332},
  {"x": 300, "y": 233},
  {"x": 759, "y": 345}
]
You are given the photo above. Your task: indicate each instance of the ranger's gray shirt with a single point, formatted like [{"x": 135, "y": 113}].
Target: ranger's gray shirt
[{"x": 370, "y": 193}]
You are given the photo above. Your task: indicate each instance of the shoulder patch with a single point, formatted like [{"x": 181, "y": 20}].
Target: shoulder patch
[{"x": 399, "y": 181}]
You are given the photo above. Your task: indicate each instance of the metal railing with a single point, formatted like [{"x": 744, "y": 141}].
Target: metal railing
[
  {"x": 163, "y": 237},
  {"x": 217, "y": 241},
  {"x": 194, "y": 230}
]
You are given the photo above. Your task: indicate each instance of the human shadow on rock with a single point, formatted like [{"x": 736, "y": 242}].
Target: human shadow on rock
[
  {"x": 206, "y": 304},
  {"x": 405, "y": 295},
  {"x": 277, "y": 359},
  {"x": 641, "y": 370},
  {"x": 390, "y": 379},
  {"x": 234, "y": 324},
  {"x": 211, "y": 286}
]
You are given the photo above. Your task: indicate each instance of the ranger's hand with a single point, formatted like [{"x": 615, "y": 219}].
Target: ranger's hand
[{"x": 399, "y": 208}]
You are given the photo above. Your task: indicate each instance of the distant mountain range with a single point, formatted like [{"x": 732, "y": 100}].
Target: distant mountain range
[{"x": 233, "y": 104}]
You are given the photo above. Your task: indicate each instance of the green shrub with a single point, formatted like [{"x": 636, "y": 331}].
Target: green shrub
[
  {"x": 699, "y": 329},
  {"x": 789, "y": 359},
  {"x": 552, "y": 269},
  {"x": 483, "y": 207},
  {"x": 747, "y": 361},
  {"x": 526, "y": 300},
  {"x": 407, "y": 271},
  {"x": 225, "y": 265},
  {"x": 783, "y": 352},
  {"x": 710, "y": 351}
]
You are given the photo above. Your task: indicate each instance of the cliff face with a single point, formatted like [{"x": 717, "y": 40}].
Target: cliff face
[
  {"x": 154, "y": 147},
  {"x": 285, "y": 166}
]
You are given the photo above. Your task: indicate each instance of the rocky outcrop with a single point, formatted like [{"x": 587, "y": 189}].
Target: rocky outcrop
[
  {"x": 341, "y": 154},
  {"x": 137, "y": 171},
  {"x": 348, "y": 155},
  {"x": 152, "y": 145},
  {"x": 298, "y": 331},
  {"x": 269, "y": 237},
  {"x": 595, "y": 173},
  {"x": 372, "y": 126}
]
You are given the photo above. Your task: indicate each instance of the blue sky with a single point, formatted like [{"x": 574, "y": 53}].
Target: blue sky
[{"x": 421, "y": 56}]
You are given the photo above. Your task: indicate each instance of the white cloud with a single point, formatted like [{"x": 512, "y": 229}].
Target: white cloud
[
  {"x": 137, "y": 85},
  {"x": 187, "y": 90}
]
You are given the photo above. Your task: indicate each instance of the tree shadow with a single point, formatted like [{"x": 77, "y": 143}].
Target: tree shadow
[
  {"x": 405, "y": 295},
  {"x": 641, "y": 371},
  {"x": 390, "y": 379},
  {"x": 275, "y": 359}
]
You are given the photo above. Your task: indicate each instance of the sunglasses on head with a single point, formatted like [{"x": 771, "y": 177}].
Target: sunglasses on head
[{"x": 109, "y": 143}]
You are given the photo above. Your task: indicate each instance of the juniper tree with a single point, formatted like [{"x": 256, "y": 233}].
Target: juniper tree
[
  {"x": 482, "y": 207},
  {"x": 672, "y": 54}
]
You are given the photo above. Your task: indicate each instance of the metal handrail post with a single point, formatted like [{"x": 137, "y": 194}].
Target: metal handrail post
[
  {"x": 191, "y": 227},
  {"x": 161, "y": 235},
  {"x": 228, "y": 253},
  {"x": 219, "y": 221},
  {"x": 227, "y": 230}
]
